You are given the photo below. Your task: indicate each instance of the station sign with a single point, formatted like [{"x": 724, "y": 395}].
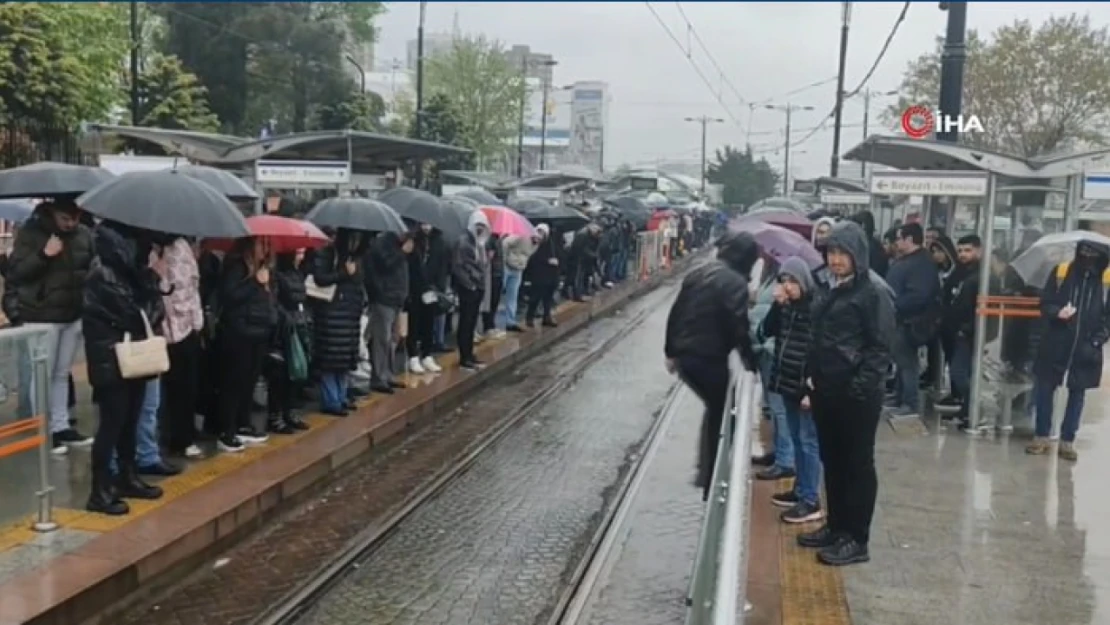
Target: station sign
[
  {"x": 302, "y": 173},
  {"x": 930, "y": 183},
  {"x": 1096, "y": 185},
  {"x": 845, "y": 199}
]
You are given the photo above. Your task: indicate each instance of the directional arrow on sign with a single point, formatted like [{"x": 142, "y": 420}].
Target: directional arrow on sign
[{"x": 881, "y": 185}]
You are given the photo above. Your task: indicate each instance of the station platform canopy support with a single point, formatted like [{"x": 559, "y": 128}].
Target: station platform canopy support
[
  {"x": 325, "y": 159},
  {"x": 937, "y": 169}
]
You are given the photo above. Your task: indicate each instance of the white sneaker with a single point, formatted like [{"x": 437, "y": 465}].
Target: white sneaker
[
  {"x": 430, "y": 365},
  {"x": 193, "y": 452},
  {"x": 495, "y": 334},
  {"x": 415, "y": 366}
]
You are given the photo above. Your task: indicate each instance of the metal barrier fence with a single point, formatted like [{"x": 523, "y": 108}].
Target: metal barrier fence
[
  {"x": 717, "y": 594},
  {"x": 25, "y": 353}
]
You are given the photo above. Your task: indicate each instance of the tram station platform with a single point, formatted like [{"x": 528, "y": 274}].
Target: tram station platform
[
  {"x": 967, "y": 531},
  {"x": 93, "y": 561}
]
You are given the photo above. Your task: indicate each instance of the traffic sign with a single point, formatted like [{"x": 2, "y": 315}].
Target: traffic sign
[
  {"x": 1096, "y": 185},
  {"x": 842, "y": 199},
  {"x": 932, "y": 183}
]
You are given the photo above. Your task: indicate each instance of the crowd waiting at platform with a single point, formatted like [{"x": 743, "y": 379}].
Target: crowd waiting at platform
[
  {"x": 324, "y": 324},
  {"x": 836, "y": 334}
]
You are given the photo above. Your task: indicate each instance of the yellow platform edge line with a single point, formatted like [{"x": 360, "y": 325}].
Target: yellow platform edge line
[{"x": 812, "y": 593}]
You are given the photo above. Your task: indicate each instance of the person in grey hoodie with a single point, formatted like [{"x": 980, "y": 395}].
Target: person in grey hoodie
[
  {"x": 471, "y": 278},
  {"x": 780, "y": 462},
  {"x": 516, "y": 250}
]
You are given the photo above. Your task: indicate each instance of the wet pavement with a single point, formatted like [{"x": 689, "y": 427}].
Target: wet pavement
[
  {"x": 497, "y": 544},
  {"x": 645, "y": 581},
  {"x": 972, "y": 531},
  {"x": 260, "y": 572}
]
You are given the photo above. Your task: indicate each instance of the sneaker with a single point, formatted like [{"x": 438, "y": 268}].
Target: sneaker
[
  {"x": 804, "y": 512},
  {"x": 430, "y": 365},
  {"x": 473, "y": 365},
  {"x": 818, "y": 539},
  {"x": 902, "y": 412},
  {"x": 193, "y": 452},
  {"x": 785, "y": 499},
  {"x": 415, "y": 366},
  {"x": 1067, "y": 452},
  {"x": 515, "y": 328},
  {"x": 1038, "y": 447},
  {"x": 251, "y": 436},
  {"x": 59, "y": 448},
  {"x": 229, "y": 444},
  {"x": 765, "y": 460},
  {"x": 495, "y": 335},
  {"x": 843, "y": 553},
  {"x": 72, "y": 437},
  {"x": 774, "y": 473},
  {"x": 948, "y": 404}
]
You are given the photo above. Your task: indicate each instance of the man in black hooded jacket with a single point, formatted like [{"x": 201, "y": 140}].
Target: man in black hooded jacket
[
  {"x": 708, "y": 320},
  {"x": 853, "y": 322}
]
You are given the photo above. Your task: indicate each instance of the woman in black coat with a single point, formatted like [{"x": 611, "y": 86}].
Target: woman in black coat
[
  {"x": 428, "y": 265},
  {"x": 543, "y": 274},
  {"x": 290, "y": 295},
  {"x": 121, "y": 288},
  {"x": 336, "y": 331},
  {"x": 245, "y": 328}
]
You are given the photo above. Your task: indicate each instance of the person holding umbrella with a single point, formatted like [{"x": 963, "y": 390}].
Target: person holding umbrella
[
  {"x": 543, "y": 275},
  {"x": 336, "y": 327},
  {"x": 387, "y": 283},
  {"x": 471, "y": 277},
  {"x": 428, "y": 271},
  {"x": 47, "y": 268},
  {"x": 121, "y": 298}
]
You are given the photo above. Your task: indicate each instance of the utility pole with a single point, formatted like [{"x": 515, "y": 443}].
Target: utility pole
[
  {"x": 789, "y": 110},
  {"x": 952, "y": 67},
  {"x": 866, "y": 114},
  {"x": 135, "y": 42},
  {"x": 420, "y": 72},
  {"x": 523, "y": 106},
  {"x": 704, "y": 120},
  {"x": 845, "y": 19},
  {"x": 543, "y": 120}
]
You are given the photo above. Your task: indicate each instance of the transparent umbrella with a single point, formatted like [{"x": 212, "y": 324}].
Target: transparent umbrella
[{"x": 1037, "y": 262}]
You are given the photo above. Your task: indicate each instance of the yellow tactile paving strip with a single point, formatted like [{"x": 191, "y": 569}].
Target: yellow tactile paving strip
[
  {"x": 199, "y": 473},
  {"x": 812, "y": 594}
]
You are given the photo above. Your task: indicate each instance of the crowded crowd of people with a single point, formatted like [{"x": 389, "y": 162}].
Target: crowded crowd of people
[{"x": 310, "y": 324}]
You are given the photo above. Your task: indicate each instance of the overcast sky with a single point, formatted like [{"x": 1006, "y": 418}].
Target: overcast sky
[{"x": 766, "y": 50}]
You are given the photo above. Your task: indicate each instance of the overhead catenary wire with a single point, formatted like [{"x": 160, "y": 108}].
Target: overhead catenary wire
[{"x": 694, "y": 33}]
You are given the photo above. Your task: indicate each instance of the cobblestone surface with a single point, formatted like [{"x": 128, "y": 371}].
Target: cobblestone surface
[
  {"x": 650, "y": 567},
  {"x": 498, "y": 544},
  {"x": 263, "y": 569}
]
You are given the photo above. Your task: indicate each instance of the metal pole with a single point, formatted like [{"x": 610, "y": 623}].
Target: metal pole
[
  {"x": 135, "y": 63},
  {"x": 987, "y": 224},
  {"x": 361, "y": 73},
  {"x": 420, "y": 75},
  {"x": 44, "y": 518},
  {"x": 543, "y": 120},
  {"x": 952, "y": 68},
  {"x": 523, "y": 106},
  {"x": 845, "y": 18},
  {"x": 1071, "y": 205},
  {"x": 786, "y": 156},
  {"x": 866, "y": 115},
  {"x": 704, "y": 123}
]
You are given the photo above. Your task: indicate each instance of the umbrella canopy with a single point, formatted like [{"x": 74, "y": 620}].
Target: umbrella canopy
[
  {"x": 1036, "y": 263},
  {"x": 225, "y": 182},
  {"x": 356, "y": 213},
  {"x": 778, "y": 242},
  {"x": 16, "y": 211},
  {"x": 285, "y": 234},
  {"x": 781, "y": 217},
  {"x": 482, "y": 197},
  {"x": 168, "y": 202},
  {"x": 506, "y": 222},
  {"x": 51, "y": 180},
  {"x": 423, "y": 207},
  {"x": 536, "y": 209},
  {"x": 460, "y": 207}
]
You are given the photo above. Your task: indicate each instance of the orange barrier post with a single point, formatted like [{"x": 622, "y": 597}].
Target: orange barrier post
[{"x": 1007, "y": 306}]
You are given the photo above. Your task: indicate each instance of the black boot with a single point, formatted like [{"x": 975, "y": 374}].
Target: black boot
[
  {"x": 294, "y": 422},
  {"x": 131, "y": 486},
  {"x": 103, "y": 498},
  {"x": 277, "y": 425}
]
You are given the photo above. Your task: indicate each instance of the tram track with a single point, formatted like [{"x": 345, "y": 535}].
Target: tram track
[{"x": 362, "y": 548}]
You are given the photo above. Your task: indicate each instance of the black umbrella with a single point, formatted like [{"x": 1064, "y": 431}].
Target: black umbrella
[
  {"x": 482, "y": 197},
  {"x": 461, "y": 208},
  {"x": 223, "y": 181},
  {"x": 51, "y": 180},
  {"x": 536, "y": 209},
  {"x": 356, "y": 213},
  {"x": 166, "y": 201},
  {"x": 423, "y": 207}
]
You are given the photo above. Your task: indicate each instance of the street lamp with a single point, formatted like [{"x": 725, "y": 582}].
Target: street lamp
[
  {"x": 704, "y": 120},
  {"x": 867, "y": 93},
  {"x": 789, "y": 110},
  {"x": 525, "y": 65},
  {"x": 361, "y": 73}
]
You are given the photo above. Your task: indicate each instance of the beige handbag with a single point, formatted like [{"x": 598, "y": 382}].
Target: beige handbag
[
  {"x": 402, "y": 331},
  {"x": 145, "y": 358},
  {"x": 325, "y": 293}
]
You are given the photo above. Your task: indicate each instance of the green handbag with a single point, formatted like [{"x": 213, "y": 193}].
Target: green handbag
[{"x": 297, "y": 359}]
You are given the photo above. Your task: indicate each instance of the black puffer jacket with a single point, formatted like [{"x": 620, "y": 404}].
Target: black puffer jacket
[
  {"x": 540, "y": 270},
  {"x": 50, "y": 290},
  {"x": 1074, "y": 347},
  {"x": 336, "y": 325},
  {"x": 386, "y": 271},
  {"x": 853, "y": 323},
  {"x": 468, "y": 269},
  {"x": 790, "y": 326},
  {"x": 289, "y": 291},
  {"x": 247, "y": 309},
  {"x": 496, "y": 257},
  {"x": 428, "y": 264},
  {"x": 119, "y": 285},
  {"x": 709, "y": 318}
]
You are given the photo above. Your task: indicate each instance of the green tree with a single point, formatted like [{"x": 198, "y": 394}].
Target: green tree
[
  {"x": 745, "y": 179},
  {"x": 359, "y": 111},
  {"x": 171, "y": 97},
  {"x": 1037, "y": 90},
  {"x": 484, "y": 91},
  {"x": 443, "y": 123}
]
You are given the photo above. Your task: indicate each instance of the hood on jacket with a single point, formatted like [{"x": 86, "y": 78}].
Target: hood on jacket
[
  {"x": 739, "y": 251},
  {"x": 797, "y": 270},
  {"x": 944, "y": 244},
  {"x": 124, "y": 249},
  {"x": 850, "y": 237},
  {"x": 817, "y": 226},
  {"x": 478, "y": 225},
  {"x": 866, "y": 221},
  {"x": 1099, "y": 251}
]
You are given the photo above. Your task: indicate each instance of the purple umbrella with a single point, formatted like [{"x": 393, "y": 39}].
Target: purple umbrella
[
  {"x": 778, "y": 242},
  {"x": 788, "y": 219}
]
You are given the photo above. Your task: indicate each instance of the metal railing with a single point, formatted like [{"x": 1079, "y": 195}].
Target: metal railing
[
  {"x": 717, "y": 594},
  {"x": 25, "y": 353}
]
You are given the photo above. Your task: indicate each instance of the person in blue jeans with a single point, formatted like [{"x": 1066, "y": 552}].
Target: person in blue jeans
[
  {"x": 781, "y": 460},
  {"x": 788, "y": 322},
  {"x": 148, "y": 455}
]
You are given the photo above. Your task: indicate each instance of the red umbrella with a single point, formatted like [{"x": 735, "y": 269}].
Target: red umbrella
[
  {"x": 504, "y": 221},
  {"x": 285, "y": 234}
]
